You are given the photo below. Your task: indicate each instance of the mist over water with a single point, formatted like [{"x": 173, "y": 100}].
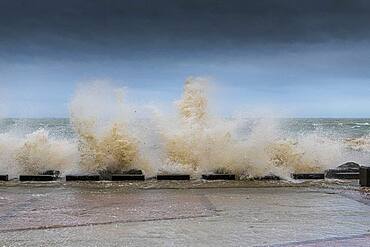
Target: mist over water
[{"x": 105, "y": 133}]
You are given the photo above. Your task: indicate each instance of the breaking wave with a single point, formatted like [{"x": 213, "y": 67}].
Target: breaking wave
[
  {"x": 100, "y": 120},
  {"x": 201, "y": 142},
  {"x": 36, "y": 152},
  {"x": 110, "y": 137}
]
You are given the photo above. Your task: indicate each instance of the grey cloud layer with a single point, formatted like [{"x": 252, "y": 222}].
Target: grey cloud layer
[{"x": 57, "y": 28}]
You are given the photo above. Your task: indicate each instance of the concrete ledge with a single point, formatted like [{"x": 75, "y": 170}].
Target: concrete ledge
[
  {"x": 133, "y": 172},
  {"x": 82, "y": 178},
  {"x": 218, "y": 177},
  {"x": 127, "y": 177},
  {"x": 348, "y": 175},
  {"x": 173, "y": 177},
  {"x": 37, "y": 178},
  {"x": 308, "y": 175},
  {"x": 342, "y": 174},
  {"x": 4, "y": 178},
  {"x": 51, "y": 172},
  {"x": 349, "y": 166},
  {"x": 269, "y": 177},
  {"x": 365, "y": 176},
  {"x": 124, "y": 175}
]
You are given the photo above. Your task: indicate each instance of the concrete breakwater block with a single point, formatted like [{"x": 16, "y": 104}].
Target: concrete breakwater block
[
  {"x": 349, "y": 166},
  {"x": 127, "y": 177},
  {"x": 4, "y": 178},
  {"x": 268, "y": 177},
  {"x": 133, "y": 172},
  {"x": 173, "y": 177},
  {"x": 37, "y": 178},
  {"x": 308, "y": 175},
  {"x": 365, "y": 176},
  {"x": 349, "y": 170},
  {"x": 347, "y": 175},
  {"x": 51, "y": 173},
  {"x": 82, "y": 178},
  {"x": 218, "y": 176},
  {"x": 342, "y": 174}
]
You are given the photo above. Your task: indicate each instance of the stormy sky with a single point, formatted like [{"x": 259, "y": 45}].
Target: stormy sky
[{"x": 300, "y": 58}]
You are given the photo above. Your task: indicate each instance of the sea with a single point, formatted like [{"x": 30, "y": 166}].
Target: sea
[
  {"x": 107, "y": 133},
  {"x": 295, "y": 144}
]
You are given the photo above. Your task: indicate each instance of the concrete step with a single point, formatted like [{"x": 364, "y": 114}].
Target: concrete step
[
  {"x": 342, "y": 174},
  {"x": 127, "y": 177},
  {"x": 173, "y": 177},
  {"x": 218, "y": 176},
  {"x": 83, "y": 177},
  {"x": 308, "y": 175},
  {"x": 37, "y": 178},
  {"x": 268, "y": 177}
]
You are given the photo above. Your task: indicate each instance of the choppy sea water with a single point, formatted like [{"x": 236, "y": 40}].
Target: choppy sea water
[
  {"x": 107, "y": 134},
  {"x": 340, "y": 128},
  {"x": 57, "y": 127},
  {"x": 53, "y": 142}
]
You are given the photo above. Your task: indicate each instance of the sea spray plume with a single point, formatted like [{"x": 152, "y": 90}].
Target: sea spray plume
[
  {"x": 8, "y": 148},
  {"x": 193, "y": 106},
  {"x": 255, "y": 144},
  {"x": 200, "y": 142},
  {"x": 358, "y": 144},
  {"x": 39, "y": 153},
  {"x": 319, "y": 151},
  {"x": 35, "y": 153},
  {"x": 182, "y": 145},
  {"x": 100, "y": 119},
  {"x": 278, "y": 153},
  {"x": 271, "y": 151}
]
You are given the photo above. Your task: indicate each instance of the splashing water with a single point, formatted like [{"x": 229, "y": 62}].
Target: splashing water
[
  {"x": 100, "y": 120},
  {"x": 35, "y": 153},
  {"x": 359, "y": 144},
  {"x": 200, "y": 142},
  {"x": 109, "y": 138}
]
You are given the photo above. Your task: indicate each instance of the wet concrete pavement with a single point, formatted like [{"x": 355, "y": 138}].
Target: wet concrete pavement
[{"x": 103, "y": 215}]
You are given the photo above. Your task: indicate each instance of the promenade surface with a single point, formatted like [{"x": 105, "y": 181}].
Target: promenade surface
[{"x": 81, "y": 214}]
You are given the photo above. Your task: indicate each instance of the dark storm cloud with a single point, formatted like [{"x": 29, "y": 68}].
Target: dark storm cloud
[{"x": 53, "y": 28}]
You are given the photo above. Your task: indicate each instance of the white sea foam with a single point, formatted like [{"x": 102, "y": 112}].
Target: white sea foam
[
  {"x": 110, "y": 137},
  {"x": 105, "y": 129},
  {"x": 35, "y": 153},
  {"x": 201, "y": 142}
]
